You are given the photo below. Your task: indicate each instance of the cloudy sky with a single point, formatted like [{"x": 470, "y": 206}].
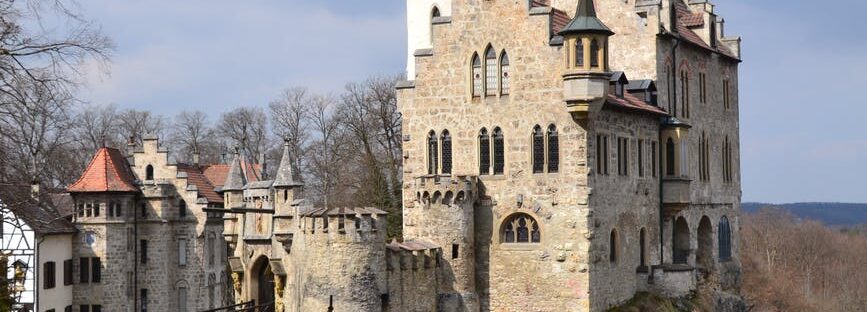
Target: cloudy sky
[{"x": 804, "y": 134}]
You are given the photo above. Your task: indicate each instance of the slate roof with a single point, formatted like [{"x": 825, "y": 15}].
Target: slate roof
[
  {"x": 43, "y": 216},
  {"x": 285, "y": 176},
  {"x": 585, "y": 21},
  {"x": 108, "y": 171},
  {"x": 632, "y": 103},
  {"x": 642, "y": 85},
  {"x": 411, "y": 245},
  {"x": 197, "y": 177}
]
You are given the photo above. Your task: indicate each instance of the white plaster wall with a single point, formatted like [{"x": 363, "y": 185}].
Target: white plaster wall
[
  {"x": 57, "y": 248},
  {"x": 418, "y": 23}
]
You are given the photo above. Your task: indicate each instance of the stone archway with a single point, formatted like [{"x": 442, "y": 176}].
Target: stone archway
[
  {"x": 262, "y": 282},
  {"x": 704, "y": 254},
  {"x": 680, "y": 241}
]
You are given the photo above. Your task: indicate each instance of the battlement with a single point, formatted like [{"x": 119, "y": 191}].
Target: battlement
[
  {"x": 357, "y": 224},
  {"x": 445, "y": 190},
  {"x": 412, "y": 255}
]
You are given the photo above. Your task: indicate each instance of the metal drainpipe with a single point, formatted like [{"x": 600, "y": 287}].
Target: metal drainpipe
[{"x": 36, "y": 273}]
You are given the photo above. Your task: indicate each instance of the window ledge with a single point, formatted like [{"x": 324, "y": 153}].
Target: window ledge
[
  {"x": 520, "y": 246},
  {"x": 496, "y": 177}
]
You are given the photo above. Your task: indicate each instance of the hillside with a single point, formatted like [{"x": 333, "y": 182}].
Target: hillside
[{"x": 832, "y": 214}]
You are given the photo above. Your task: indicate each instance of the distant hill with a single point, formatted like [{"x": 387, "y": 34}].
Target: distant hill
[{"x": 833, "y": 214}]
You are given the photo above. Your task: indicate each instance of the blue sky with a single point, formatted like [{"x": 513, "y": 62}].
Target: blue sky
[{"x": 803, "y": 127}]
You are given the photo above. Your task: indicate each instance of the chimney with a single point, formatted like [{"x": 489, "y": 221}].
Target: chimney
[
  {"x": 262, "y": 159},
  {"x": 130, "y": 146},
  {"x": 196, "y": 157}
]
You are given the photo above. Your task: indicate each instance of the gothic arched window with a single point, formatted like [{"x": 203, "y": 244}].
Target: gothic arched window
[
  {"x": 520, "y": 228},
  {"x": 594, "y": 53},
  {"x": 505, "y": 81},
  {"x": 477, "y": 75},
  {"x": 499, "y": 151},
  {"x": 432, "y": 160},
  {"x": 149, "y": 173},
  {"x": 579, "y": 53},
  {"x": 491, "y": 72},
  {"x": 484, "y": 152},
  {"x": 553, "y": 150},
  {"x": 446, "y": 142},
  {"x": 725, "y": 239},
  {"x": 613, "y": 247},
  {"x": 642, "y": 242},
  {"x": 538, "y": 150}
]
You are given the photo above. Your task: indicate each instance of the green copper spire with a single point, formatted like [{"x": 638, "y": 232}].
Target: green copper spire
[{"x": 585, "y": 21}]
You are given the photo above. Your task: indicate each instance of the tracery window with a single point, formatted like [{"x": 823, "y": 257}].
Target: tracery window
[
  {"x": 505, "y": 81},
  {"x": 499, "y": 151},
  {"x": 553, "y": 150},
  {"x": 446, "y": 142},
  {"x": 594, "y": 53},
  {"x": 432, "y": 160},
  {"x": 484, "y": 152},
  {"x": 538, "y": 150},
  {"x": 579, "y": 53},
  {"x": 477, "y": 76},
  {"x": 725, "y": 239},
  {"x": 520, "y": 228},
  {"x": 491, "y": 72}
]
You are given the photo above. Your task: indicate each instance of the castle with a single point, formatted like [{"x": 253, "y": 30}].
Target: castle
[{"x": 560, "y": 155}]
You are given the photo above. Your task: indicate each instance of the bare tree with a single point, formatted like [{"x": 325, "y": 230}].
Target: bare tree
[
  {"x": 138, "y": 124},
  {"x": 246, "y": 128},
  {"x": 192, "y": 136},
  {"x": 96, "y": 125},
  {"x": 326, "y": 165},
  {"x": 289, "y": 122}
]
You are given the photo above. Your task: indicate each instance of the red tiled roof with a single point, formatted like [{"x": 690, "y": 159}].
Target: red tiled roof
[
  {"x": 540, "y": 3},
  {"x": 217, "y": 173},
  {"x": 559, "y": 20},
  {"x": 196, "y": 176},
  {"x": 687, "y": 19},
  {"x": 633, "y": 103},
  {"x": 108, "y": 171}
]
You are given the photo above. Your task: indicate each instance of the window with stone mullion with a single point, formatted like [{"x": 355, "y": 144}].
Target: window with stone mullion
[
  {"x": 499, "y": 152},
  {"x": 553, "y": 150},
  {"x": 484, "y": 153},
  {"x": 505, "y": 81},
  {"x": 432, "y": 153},
  {"x": 538, "y": 150},
  {"x": 491, "y": 72},
  {"x": 446, "y": 152},
  {"x": 477, "y": 76}
]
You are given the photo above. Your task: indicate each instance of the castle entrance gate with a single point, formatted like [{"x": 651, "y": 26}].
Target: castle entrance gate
[{"x": 262, "y": 285}]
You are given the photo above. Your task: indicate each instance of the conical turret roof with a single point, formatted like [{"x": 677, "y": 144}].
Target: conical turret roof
[
  {"x": 236, "y": 179},
  {"x": 108, "y": 171},
  {"x": 585, "y": 21},
  {"x": 284, "y": 176}
]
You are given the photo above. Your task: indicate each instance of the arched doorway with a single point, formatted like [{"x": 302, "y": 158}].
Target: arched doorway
[
  {"x": 680, "y": 241},
  {"x": 704, "y": 254},
  {"x": 262, "y": 289}
]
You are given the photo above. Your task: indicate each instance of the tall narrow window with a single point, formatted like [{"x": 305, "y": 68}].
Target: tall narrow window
[
  {"x": 538, "y": 150},
  {"x": 477, "y": 75},
  {"x": 143, "y": 251},
  {"x": 499, "y": 152},
  {"x": 594, "y": 53},
  {"x": 49, "y": 275},
  {"x": 642, "y": 253},
  {"x": 623, "y": 156},
  {"x": 149, "y": 173},
  {"x": 553, "y": 150},
  {"x": 432, "y": 160},
  {"x": 182, "y": 299},
  {"x": 602, "y": 154},
  {"x": 143, "y": 295},
  {"x": 83, "y": 270},
  {"x": 182, "y": 252},
  {"x": 654, "y": 151},
  {"x": 491, "y": 72},
  {"x": 613, "y": 246},
  {"x": 182, "y": 209},
  {"x": 67, "y": 272},
  {"x": 95, "y": 270},
  {"x": 579, "y": 53},
  {"x": 669, "y": 157},
  {"x": 212, "y": 246},
  {"x": 446, "y": 139},
  {"x": 726, "y": 99},
  {"x": 684, "y": 94},
  {"x": 484, "y": 152},
  {"x": 640, "y": 158},
  {"x": 725, "y": 239},
  {"x": 505, "y": 82}
]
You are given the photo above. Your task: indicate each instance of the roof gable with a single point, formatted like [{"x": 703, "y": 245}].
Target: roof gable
[{"x": 108, "y": 171}]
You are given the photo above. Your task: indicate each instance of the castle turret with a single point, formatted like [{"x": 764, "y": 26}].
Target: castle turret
[
  {"x": 585, "y": 80},
  {"x": 286, "y": 187},
  {"x": 233, "y": 188}
]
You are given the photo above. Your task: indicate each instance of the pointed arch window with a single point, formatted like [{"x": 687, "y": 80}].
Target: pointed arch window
[
  {"x": 642, "y": 252},
  {"x": 432, "y": 160},
  {"x": 520, "y": 228},
  {"x": 579, "y": 53},
  {"x": 434, "y": 13},
  {"x": 538, "y": 150},
  {"x": 505, "y": 79},
  {"x": 553, "y": 150},
  {"x": 499, "y": 152},
  {"x": 491, "y": 72},
  {"x": 594, "y": 53},
  {"x": 477, "y": 75},
  {"x": 684, "y": 94},
  {"x": 613, "y": 247},
  {"x": 182, "y": 209},
  {"x": 446, "y": 142},
  {"x": 725, "y": 239},
  {"x": 149, "y": 173},
  {"x": 484, "y": 152}
]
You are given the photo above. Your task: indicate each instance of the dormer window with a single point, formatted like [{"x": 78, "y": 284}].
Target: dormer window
[{"x": 618, "y": 89}]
